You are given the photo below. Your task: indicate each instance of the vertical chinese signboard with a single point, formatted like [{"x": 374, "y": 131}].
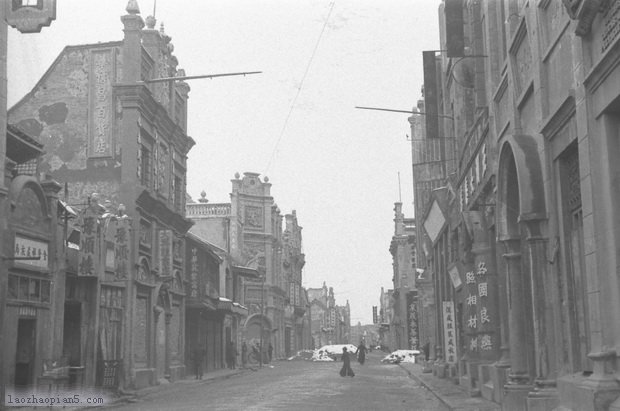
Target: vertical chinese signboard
[
  {"x": 412, "y": 320},
  {"x": 88, "y": 257},
  {"x": 479, "y": 325},
  {"x": 449, "y": 332},
  {"x": 165, "y": 252},
  {"x": 121, "y": 248},
  {"x": 100, "y": 103},
  {"x": 193, "y": 282}
]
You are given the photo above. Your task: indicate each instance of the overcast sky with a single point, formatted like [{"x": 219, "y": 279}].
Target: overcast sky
[{"x": 337, "y": 166}]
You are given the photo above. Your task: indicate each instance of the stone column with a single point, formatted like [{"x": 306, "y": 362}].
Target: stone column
[
  {"x": 545, "y": 395},
  {"x": 167, "y": 345},
  {"x": 518, "y": 384}
]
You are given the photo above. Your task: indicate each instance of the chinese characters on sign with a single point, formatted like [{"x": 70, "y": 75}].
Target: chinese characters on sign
[
  {"x": 449, "y": 333},
  {"x": 88, "y": 258},
  {"x": 165, "y": 252},
  {"x": 101, "y": 104},
  {"x": 25, "y": 248},
  {"x": 412, "y": 314},
  {"x": 454, "y": 276},
  {"x": 121, "y": 248},
  {"x": 193, "y": 283},
  {"x": 479, "y": 317}
]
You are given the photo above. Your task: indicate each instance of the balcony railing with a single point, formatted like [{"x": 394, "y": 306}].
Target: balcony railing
[{"x": 207, "y": 210}]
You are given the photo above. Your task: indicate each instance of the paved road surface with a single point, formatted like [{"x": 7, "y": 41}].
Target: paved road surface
[{"x": 298, "y": 386}]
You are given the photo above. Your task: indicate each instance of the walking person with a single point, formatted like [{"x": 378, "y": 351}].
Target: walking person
[
  {"x": 270, "y": 352},
  {"x": 230, "y": 355},
  {"x": 199, "y": 355},
  {"x": 244, "y": 354},
  {"x": 361, "y": 353},
  {"x": 346, "y": 366}
]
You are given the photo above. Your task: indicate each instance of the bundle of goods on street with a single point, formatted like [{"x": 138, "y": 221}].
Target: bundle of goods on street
[
  {"x": 333, "y": 352},
  {"x": 303, "y": 355},
  {"x": 399, "y": 356}
]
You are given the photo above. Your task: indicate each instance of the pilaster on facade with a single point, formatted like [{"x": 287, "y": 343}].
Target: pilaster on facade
[
  {"x": 119, "y": 143},
  {"x": 525, "y": 94}
]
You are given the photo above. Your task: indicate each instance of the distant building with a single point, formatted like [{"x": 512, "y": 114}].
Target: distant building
[
  {"x": 404, "y": 323},
  {"x": 250, "y": 229},
  {"x": 331, "y": 324}
]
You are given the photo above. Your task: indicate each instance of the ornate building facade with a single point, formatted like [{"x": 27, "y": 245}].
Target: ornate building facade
[
  {"x": 109, "y": 129},
  {"x": 403, "y": 249},
  {"x": 251, "y": 227}
]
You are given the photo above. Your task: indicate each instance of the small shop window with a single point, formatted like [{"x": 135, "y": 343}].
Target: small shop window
[
  {"x": 29, "y": 289},
  {"x": 23, "y": 289},
  {"x": 34, "y": 290},
  {"x": 13, "y": 286},
  {"x": 45, "y": 291}
]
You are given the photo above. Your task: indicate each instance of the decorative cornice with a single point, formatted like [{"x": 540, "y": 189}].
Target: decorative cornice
[
  {"x": 160, "y": 210},
  {"x": 558, "y": 119},
  {"x": 584, "y": 11}
]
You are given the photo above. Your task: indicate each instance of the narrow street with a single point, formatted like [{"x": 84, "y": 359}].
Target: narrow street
[{"x": 298, "y": 385}]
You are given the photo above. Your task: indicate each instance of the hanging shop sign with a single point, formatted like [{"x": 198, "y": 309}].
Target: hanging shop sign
[
  {"x": 165, "y": 252},
  {"x": 121, "y": 248},
  {"x": 480, "y": 318},
  {"x": 434, "y": 222},
  {"x": 455, "y": 276},
  {"x": 449, "y": 332},
  {"x": 88, "y": 257}
]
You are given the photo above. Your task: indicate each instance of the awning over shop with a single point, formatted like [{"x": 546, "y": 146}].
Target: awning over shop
[
  {"x": 247, "y": 272},
  {"x": 224, "y": 304},
  {"x": 208, "y": 304}
]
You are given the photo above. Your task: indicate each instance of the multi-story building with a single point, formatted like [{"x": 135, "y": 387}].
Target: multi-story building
[
  {"x": 387, "y": 334},
  {"x": 520, "y": 240},
  {"x": 108, "y": 127},
  {"x": 403, "y": 248},
  {"x": 331, "y": 324},
  {"x": 32, "y": 305},
  {"x": 293, "y": 260},
  {"x": 250, "y": 229}
]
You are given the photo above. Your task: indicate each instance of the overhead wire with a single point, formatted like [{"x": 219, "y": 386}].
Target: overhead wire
[{"x": 301, "y": 84}]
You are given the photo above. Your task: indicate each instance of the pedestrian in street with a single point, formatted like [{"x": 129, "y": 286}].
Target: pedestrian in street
[
  {"x": 230, "y": 355},
  {"x": 361, "y": 353},
  {"x": 244, "y": 354},
  {"x": 346, "y": 366},
  {"x": 270, "y": 352},
  {"x": 199, "y": 355},
  {"x": 426, "y": 348}
]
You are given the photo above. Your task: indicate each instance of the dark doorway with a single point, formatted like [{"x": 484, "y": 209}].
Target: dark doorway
[
  {"x": 24, "y": 357},
  {"x": 287, "y": 342},
  {"x": 72, "y": 336}
]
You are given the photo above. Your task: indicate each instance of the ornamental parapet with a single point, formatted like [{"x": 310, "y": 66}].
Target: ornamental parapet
[{"x": 198, "y": 210}]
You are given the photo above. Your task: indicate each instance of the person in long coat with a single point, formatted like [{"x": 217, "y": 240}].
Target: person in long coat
[
  {"x": 361, "y": 353},
  {"x": 346, "y": 366},
  {"x": 244, "y": 354},
  {"x": 231, "y": 355},
  {"x": 198, "y": 357}
]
